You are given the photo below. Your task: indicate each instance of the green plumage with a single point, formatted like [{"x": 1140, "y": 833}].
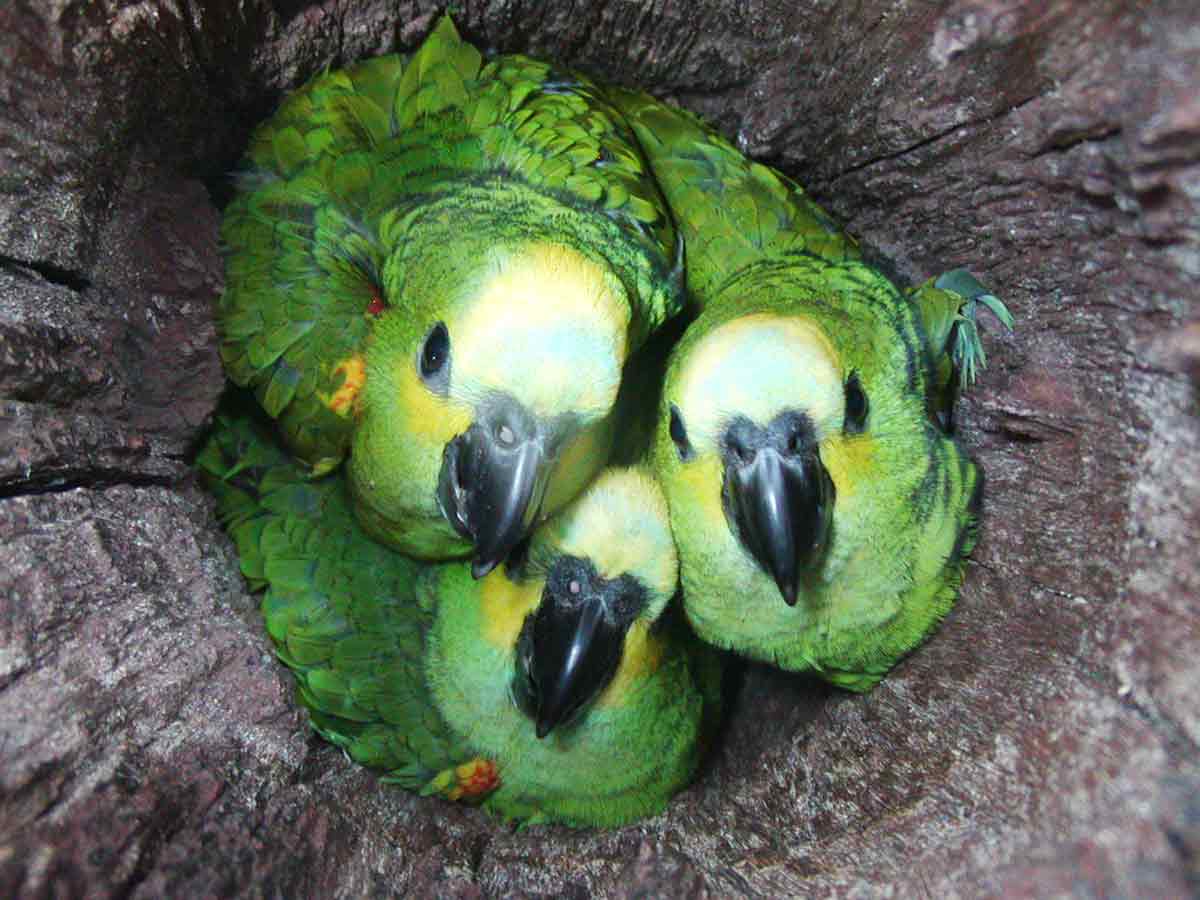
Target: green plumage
[
  {"x": 793, "y": 326},
  {"x": 346, "y": 614},
  {"x": 730, "y": 210},
  {"x": 734, "y": 212},
  {"x": 409, "y": 666},
  {"x": 437, "y": 263},
  {"x": 398, "y": 193}
]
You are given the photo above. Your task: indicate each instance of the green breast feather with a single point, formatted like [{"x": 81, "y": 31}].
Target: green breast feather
[
  {"x": 548, "y": 691},
  {"x": 823, "y": 513},
  {"x": 457, "y": 274}
]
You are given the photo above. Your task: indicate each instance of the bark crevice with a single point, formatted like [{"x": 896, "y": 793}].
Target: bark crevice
[{"x": 1040, "y": 743}]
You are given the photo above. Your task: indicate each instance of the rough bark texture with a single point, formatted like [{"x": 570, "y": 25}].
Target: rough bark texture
[{"x": 1045, "y": 742}]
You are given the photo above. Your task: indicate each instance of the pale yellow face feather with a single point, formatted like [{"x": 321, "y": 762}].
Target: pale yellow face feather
[
  {"x": 642, "y": 656},
  {"x": 549, "y": 311},
  {"x": 427, "y": 416},
  {"x": 697, "y": 479},
  {"x": 621, "y": 524},
  {"x": 851, "y": 461},
  {"x": 757, "y": 366}
]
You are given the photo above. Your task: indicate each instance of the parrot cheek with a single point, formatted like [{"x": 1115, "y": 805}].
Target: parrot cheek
[
  {"x": 697, "y": 485},
  {"x": 851, "y": 460},
  {"x": 504, "y": 606},
  {"x": 579, "y": 460},
  {"x": 392, "y": 472},
  {"x": 713, "y": 565},
  {"x": 431, "y": 419},
  {"x": 641, "y": 659}
]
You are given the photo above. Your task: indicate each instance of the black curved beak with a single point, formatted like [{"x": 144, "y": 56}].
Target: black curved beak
[
  {"x": 782, "y": 508},
  {"x": 492, "y": 483},
  {"x": 575, "y": 646}
]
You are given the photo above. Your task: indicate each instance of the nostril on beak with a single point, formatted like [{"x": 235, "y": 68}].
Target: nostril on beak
[
  {"x": 742, "y": 440},
  {"x": 743, "y": 450}
]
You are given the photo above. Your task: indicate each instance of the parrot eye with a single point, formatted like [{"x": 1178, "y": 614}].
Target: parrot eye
[
  {"x": 679, "y": 434},
  {"x": 436, "y": 352},
  {"x": 856, "y": 406}
]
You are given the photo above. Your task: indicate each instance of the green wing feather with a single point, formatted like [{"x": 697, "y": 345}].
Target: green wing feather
[
  {"x": 344, "y": 613},
  {"x": 731, "y": 210},
  {"x": 303, "y": 234}
]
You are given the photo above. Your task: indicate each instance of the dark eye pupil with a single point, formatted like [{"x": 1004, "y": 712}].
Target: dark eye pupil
[
  {"x": 856, "y": 405},
  {"x": 679, "y": 433},
  {"x": 436, "y": 350}
]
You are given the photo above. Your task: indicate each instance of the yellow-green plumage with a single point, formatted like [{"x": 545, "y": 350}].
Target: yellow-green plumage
[
  {"x": 731, "y": 210},
  {"x": 502, "y": 200},
  {"x": 807, "y": 371},
  {"x": 413, "y": 667}
]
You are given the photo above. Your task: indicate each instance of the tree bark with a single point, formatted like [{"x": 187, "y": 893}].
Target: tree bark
[{"x": 1044, "y": 741}]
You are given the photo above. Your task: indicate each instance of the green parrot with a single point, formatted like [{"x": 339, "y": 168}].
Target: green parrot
[
  {"x": 551, "y": 690},
  {"x": 821, "y": 508},
  {"x": 440, "y": 266}
]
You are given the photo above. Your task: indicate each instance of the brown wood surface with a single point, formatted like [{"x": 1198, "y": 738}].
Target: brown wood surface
[{"x": 1044, "y": 742}]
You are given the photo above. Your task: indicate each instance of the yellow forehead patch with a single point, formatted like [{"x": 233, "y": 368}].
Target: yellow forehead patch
[
  {"x": 621, "y": 524},
  {"x": 757, "y": 366},
  {"x": 548, "y": 325}
]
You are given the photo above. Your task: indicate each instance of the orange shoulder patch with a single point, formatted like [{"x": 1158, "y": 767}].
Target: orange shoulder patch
[
  {"x": 474, "y": 779},
  {"x": 354, "y": 375}
]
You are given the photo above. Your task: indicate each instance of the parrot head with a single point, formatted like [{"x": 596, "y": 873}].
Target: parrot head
[
  {"x": 606, "y": 567},
  {"x": 747, "y": 414},
  {"x": 490, "y": 382},
  {"x": 808, "y": 487},
  {"x": 790, "y": 428}
]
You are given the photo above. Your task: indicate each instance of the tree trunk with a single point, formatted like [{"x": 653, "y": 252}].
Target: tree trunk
[{"x": 1044, "y": 742}]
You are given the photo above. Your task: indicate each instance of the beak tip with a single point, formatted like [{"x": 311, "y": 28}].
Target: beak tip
[
  {"x": 790, "y": 593},
  {"x": 481, "y": 567},
  {"x": 543, "y": 728},
  {"x": 492, "y": 494}
]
